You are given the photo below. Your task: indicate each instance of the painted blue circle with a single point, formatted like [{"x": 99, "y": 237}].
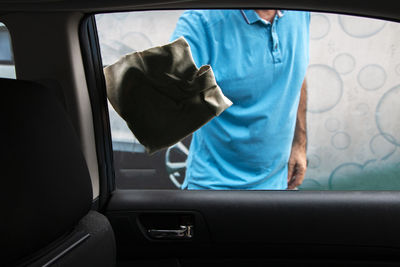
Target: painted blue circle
[
  {"x": 314, "y": 161},
  {"x": 381, "y": 147},
  {"x": 339, "y": 177},
  {"x": 372, "y": 77},
  {"x": 332, "y": 125},
  {"x": 359, "y": 27},
  {"x": 319, "y": 26},
  {"x": 387, "y": 115},
  {"x": 325, "y": 88},
  {"x": 341, "y": 140},
  {"x": 344, "y": 63}
]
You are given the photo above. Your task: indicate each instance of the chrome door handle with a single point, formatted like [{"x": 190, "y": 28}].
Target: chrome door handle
[{"x": 185, "y": 232}]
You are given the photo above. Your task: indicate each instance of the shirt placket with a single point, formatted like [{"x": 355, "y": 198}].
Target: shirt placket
[{"x": 276, "y": 51}]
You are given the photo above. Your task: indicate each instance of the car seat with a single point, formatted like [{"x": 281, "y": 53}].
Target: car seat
[{"x": 46, "y": 190}]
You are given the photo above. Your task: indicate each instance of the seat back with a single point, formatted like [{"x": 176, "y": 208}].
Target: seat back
[{"x": 46, "y": 188}]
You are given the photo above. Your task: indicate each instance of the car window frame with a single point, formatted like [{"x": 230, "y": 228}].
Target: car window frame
[{"x": 109, "y": 179}]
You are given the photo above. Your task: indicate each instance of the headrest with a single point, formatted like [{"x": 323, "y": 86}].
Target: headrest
[{"x": 45, "y": 184}]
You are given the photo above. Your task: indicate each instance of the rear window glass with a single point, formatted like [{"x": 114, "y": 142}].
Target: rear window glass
[{"x": 7, "y": 68}]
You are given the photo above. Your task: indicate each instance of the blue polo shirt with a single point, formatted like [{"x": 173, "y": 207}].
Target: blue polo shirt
[{"x": 260, "y": 67}]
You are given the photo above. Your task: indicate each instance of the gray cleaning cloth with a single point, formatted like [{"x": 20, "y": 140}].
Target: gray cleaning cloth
[{"x": 162, "y": 95}]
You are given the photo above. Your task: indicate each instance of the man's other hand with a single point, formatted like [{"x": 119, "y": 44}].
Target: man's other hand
[
  {"x": 298, "y": 156},
  {"x": 297, "y": 166}
]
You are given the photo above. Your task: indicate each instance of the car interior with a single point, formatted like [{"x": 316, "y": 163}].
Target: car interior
[{"x": 64, "y": 207}]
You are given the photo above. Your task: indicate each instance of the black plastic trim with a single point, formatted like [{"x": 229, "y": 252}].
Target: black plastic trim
[
  {"x": 98, "y": 99},
  {"x": 385, "y": 9},
  {"x": 366, "y": 222},
  {"x": 65, "y": 251}
]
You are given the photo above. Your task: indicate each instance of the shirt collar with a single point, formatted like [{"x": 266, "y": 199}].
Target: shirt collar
[{"x": 251, "y": 16}]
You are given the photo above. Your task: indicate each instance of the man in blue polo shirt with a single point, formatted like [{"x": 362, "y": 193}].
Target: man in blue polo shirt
[{"x": 259, "y": 58}]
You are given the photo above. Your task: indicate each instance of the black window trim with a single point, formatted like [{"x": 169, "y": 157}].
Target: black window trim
[{"x": 98, "y": 98}]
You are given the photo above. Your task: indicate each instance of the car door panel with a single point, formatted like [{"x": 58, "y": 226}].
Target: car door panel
[
  {"x": 258, "y": 228},
  {"x": 285, "y": 224}
]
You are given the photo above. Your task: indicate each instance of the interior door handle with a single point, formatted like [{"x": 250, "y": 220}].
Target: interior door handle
[{"x": 185, "y": 232}]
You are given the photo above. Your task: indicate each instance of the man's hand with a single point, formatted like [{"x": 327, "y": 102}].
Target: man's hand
[
  {"x": 297, "y": 166},
  {"x": 298, "y": 156}
]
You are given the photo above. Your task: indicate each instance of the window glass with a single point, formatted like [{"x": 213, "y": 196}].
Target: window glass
[
  {"x": 353, "y": 103},
  {"x": 7, "y": 69}
]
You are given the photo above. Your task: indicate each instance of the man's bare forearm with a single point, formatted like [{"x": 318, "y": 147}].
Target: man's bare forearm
[
  {"x": 297, "y": 165},
  {"x": 300, "y": 134}
]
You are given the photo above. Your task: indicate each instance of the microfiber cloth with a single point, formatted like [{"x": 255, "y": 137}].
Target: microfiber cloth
[{"x": 162, "y": 95}]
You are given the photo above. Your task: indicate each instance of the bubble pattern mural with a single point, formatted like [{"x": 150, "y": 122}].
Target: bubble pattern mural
[{"x": 355, "y": 134}]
